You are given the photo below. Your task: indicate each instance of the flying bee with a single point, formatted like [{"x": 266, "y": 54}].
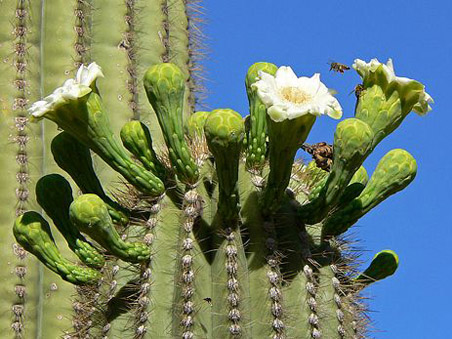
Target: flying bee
[
  {"x": 338, "y": 67},
  {"x": 358, "y": 90}
]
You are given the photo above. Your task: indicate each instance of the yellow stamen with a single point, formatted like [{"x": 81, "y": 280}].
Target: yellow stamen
[{"x": 294, "y": 95}]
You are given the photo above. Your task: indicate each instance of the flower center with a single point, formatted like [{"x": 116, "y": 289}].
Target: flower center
[{"x": 294, "y": 95}]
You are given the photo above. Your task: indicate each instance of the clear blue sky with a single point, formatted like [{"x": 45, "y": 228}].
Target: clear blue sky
[{"x": 416, "y": 223}]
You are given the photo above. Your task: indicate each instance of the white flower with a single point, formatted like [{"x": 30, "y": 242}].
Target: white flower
[
  {"x": 364, "y": 69},
  {"x": 72, "y": 89},
  {"x": 87, "y": 75},
  {"x": 408, "y": 88},
  {"x": 288, "y": 97}
]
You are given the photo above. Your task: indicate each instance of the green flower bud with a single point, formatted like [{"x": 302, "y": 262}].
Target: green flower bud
[
  {"x": 257, "y": 135},
  {"x": 383, "y": 264},
  {"x": 393, "y": 173},
  {"x": 54, "y": 194},
  {"x": 224, "y": 132},
  {"x": 165, "y": 88},
  {"x": 137, "y": 139},
  {"x": 195, "y": 124},
  {"x": 90, "y": 215},
  {"x": 33, "y": 233}
]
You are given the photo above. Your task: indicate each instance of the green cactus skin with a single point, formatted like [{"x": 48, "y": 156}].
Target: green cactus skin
[
  {"x": 54, "y": 194},
  {"x": 33, "y": 233},
  {"x": 75, "y": 158},
  {"x": 257, "y": 135},
  {"x": 136, "y": 138},
  {"x": 396, "y": 170},
  {"x": 90, "y": 215},
  {"x": 383, "y": 264},
  {"x": 165, "y": 88}
]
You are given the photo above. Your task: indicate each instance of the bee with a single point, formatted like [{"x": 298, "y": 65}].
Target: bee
[
  {"x": 358, "y": 90},
  {"x": 338, "y": 67},
  {"x": 322, "y": 153},
  {"x": 208, "y": 300}
]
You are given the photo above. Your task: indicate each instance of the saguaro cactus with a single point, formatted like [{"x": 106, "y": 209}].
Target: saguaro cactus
[{"x": 217, "y": 238}]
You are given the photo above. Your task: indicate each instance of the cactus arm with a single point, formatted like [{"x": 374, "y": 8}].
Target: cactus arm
[
  {"x": 260, "y": 304},
  {"x": 33, "y": 233},
  {"x": 224, "y": 132},
  {"x": 330, "y": 315},
  {"x": 90, "y": 215},
  {"x": 167, "y": 241},
  {"x": 396, "y": 170},
  {"x": 285, "y": 138},
  {"x": 257, "y": 137},
  {"x": 136, "y": 138},
  {"x": 165, "y": 88},
  {"x": 75, "y": 158},
  {"x": 54, "y": 194}
]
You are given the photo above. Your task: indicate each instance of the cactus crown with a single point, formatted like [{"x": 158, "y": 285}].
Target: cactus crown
[{"x": 225, "y": 234}]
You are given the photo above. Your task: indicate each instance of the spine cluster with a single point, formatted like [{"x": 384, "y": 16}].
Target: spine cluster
[
  {"x": 311, "y": 288},
  {"x": 82, "y": 27},
  {"x": 274, "y": 279},
  {"x": 141, "y": 310},
  {"x": 233, "y": 284},
  {"x": 192, "y": 210},
  {"x": 21, "y": 139},
  {"x": 130, "y": 46}
]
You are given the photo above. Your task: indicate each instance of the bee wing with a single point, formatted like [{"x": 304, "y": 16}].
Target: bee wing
[{"x": 332, "y": 91}]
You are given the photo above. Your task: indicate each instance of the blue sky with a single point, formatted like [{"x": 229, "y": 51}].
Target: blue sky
[{"x": 416, "y": 223}]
